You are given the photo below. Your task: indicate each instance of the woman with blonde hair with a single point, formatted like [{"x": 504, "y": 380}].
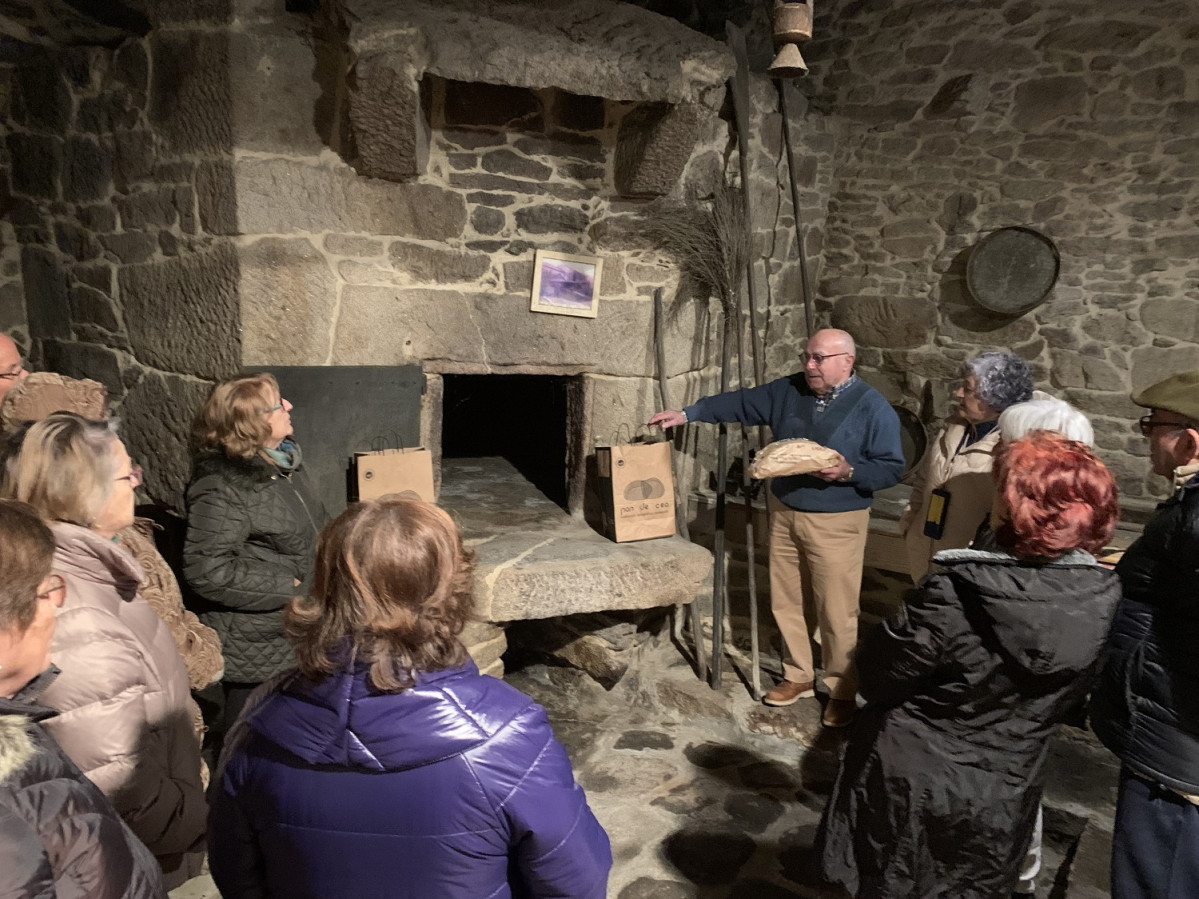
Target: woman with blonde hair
[
  {"x": 123, "y": 694},
  {"x": 387, "y": 765},
  {"x": 252, "y": 522},
  {"x": 43, "y": 795},
  {"x": 43, "y": 393}
]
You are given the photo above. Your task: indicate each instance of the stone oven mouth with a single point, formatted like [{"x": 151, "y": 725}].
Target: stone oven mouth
[{"x": 519, "y": 418}]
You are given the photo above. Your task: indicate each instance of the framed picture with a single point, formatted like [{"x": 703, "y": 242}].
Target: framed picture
[{"x": 566, "y": 285}]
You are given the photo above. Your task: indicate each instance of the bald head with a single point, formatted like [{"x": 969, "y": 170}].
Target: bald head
[
  {"x": 842, "y": 339},
  {"x": 12, "y": 369},
  {"x": 828, "y": 361}
]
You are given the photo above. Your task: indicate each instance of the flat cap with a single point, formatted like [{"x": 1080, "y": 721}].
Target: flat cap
[{"x": 1178, "y": 393}]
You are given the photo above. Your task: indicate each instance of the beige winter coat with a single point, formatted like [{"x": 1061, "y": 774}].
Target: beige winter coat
[
  {"x": 42, "y": 393},
  {"x": 123, "y": 693},
  {"x": 966, "y": 475}
]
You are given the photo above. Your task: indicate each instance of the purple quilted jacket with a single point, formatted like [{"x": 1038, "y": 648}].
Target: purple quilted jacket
[{"x": 452, "y": 789}]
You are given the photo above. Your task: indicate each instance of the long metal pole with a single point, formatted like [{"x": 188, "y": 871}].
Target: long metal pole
[{"x": 809, "y": 320}]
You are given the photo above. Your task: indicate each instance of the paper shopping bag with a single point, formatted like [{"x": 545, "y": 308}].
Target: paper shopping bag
[
  {"x": 403, "y": 472},
  {"x": 637, "y": 490}
]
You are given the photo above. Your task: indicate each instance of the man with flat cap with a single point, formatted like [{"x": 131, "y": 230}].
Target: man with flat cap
[{"x": 1146, "y": 709}]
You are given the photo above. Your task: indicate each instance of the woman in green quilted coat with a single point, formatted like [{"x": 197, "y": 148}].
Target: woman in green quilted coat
[{"x": 252, "y": 522}]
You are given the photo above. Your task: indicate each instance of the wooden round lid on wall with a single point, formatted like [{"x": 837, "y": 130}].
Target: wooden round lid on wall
[
  {"x": 1011, "y": 270},
  {"x": 913, "y": 437}
]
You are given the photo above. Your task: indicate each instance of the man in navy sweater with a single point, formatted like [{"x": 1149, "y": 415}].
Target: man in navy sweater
[{"x": 818, "y": 522}]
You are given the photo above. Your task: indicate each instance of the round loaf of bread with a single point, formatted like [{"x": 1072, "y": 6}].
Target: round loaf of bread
[{"x": 796, "y": 455}]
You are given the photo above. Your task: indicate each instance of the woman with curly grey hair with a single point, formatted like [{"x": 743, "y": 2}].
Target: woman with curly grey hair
[{"x": 953, "y": 491}]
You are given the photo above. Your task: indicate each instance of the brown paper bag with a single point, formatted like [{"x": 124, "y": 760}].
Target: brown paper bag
[
  {"x": 637, "y": 489},
  {"x": 404, "y": 472}
]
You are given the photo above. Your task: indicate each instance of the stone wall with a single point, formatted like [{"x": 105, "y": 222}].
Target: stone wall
[
  {"x": 120, "y": 281},
  {"x": 955, "y": 118},
  {"x": 243, "y": 186},
  {"x": 414, "y": 242}
]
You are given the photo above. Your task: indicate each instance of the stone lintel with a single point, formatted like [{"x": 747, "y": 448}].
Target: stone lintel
[{"x": 589, "y": 47}]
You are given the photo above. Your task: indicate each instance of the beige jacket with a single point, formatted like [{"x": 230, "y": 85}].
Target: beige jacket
[
  {"x": 123, "y": 693},
  {"x": 966, "y": 475},
  {"x": 42, "y": 393}
]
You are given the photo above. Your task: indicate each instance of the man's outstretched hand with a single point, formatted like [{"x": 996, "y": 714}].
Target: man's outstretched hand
[{"x": 668, "y": 418}]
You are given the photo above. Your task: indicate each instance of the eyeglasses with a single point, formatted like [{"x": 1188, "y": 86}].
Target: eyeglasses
[
  {"x": 818, "y": 358},
  {"x": 274, "y": 408},
  {"x": 134, "y": 477},
  {"x": 13, "y": 373},
  {"x": 59, "y": 586},
  {"x": 1147, "y": 424}
]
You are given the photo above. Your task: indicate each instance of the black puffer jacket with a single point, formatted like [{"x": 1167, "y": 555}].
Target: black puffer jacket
[
  {"x": 1146, "y": 709},
  {"x": 941, "y": 776},
  {"x": 251, "y": 532},
  {"x": 59, "y": 836}
]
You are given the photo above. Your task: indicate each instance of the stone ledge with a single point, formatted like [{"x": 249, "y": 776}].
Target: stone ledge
[{"x": 536, "y": 561}]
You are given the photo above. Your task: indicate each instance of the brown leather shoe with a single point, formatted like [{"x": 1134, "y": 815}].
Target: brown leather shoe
[
  {"x": 838, "y": 713},
  {"x": 788, "y": 692}
]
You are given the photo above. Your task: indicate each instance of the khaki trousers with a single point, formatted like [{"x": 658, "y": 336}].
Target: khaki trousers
[{"x": 817, "y": 557}]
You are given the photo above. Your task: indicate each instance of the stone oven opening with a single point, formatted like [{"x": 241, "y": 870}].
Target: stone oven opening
[{"x": 521, "y": 418}]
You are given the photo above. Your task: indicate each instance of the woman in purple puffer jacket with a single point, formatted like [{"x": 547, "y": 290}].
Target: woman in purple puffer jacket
[{"x": 387, "y": 765}]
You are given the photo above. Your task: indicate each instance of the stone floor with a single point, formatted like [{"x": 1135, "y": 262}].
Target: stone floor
[{"x": 708, "y": 794}]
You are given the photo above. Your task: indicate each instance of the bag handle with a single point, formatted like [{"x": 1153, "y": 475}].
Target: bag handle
[
  {"x": 385, "y": 441},
  {"x": 638, "y": 434}
]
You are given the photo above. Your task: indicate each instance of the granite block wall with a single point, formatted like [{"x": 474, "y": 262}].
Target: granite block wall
[
  {"x": 102, "y": 243},
  {"x": 208, "y": 196},
  {"x": 951, "y": 119}
]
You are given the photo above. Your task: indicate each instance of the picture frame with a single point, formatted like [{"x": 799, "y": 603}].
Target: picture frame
[{"x": 566, "y": 284}]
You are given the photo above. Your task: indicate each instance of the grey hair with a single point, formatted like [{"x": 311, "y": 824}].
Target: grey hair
[
  {"x": 1002, "y": 379},
  {"x": 1045, "y": 414},
  {"x": 63, "y": 467}
]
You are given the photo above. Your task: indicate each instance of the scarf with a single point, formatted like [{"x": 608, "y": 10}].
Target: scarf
[{"x": 285, "y": 457}]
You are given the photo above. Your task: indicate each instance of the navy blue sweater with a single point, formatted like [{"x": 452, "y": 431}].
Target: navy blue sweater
[{"x": 868, "y": 437}]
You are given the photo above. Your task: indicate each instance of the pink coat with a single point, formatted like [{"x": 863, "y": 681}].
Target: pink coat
[{"x": 124, "y": 697}]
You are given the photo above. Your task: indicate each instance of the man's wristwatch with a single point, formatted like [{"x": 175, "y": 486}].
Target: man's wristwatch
[{"x": 848, "y": 476}]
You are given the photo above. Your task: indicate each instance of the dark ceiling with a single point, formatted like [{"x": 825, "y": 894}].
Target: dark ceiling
[
  {"x": 74, "y": 22},
  {"x": 106, "y": 23}
]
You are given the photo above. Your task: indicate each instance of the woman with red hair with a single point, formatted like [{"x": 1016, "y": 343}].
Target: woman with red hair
[{"x": 942, "y": 774}]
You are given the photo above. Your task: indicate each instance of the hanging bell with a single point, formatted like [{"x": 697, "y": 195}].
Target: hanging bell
[
  {"x": 792, "y": 26},
  {"x": 789, "y": 63}
]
